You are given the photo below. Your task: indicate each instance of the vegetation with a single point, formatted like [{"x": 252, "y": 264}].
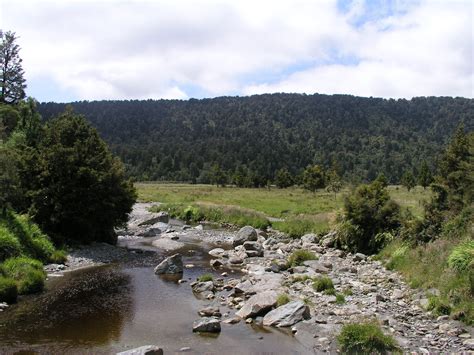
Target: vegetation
[
  {"x": 28, "y": 274},
  {"x": 12, "y": 81},
  {"x": 205, "y": 278},
  {"x": 8, "y": 290},
  {"x": 282, "y": 299},
  {"x": 365, "y": 338},
  {"x": 323, "y": 283},
  {"x": 340, "y": 299},
  {"x": 299, "y": 256}
]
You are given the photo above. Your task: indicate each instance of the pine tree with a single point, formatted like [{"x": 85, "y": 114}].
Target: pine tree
[
  {"x": 425, "y": 177},
  {"x": 408, "y": 180},
  {"x": 12, "y": 82}
]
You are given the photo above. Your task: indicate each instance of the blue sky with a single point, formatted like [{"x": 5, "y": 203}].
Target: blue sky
[{"x": 92, "y": 50}]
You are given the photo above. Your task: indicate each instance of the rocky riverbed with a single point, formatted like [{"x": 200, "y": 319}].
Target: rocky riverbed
[{"x": 313, "y": 318}]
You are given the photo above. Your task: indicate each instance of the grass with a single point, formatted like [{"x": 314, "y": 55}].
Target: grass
[
  {"x": 205, "y": 278},
  {"x": 8, "y": 290},
  {"x": 365, "y": 338},
  {"x": 340, "y": 299},
  {"x": 28, "y": 274},
  {"x": 323, "y": 284},
  {"x": 282, "y": 299},
  {"x": 299, "y": 256}
]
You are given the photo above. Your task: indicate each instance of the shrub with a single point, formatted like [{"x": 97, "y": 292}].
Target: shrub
[
  {"x": 58, "y": 257},
  {"x": 205, "y": 277},
  {"x": 299, "y": 256},
  {"x": 462, "y": 256},
  {"x": 28, "y": 273},
  {"x": 438, "y": 306},
  {"x": 340, "y": 299},
  {"x": 8, "y": 290},
  {"x": 282, "y": 299},
  {"x": 365, "y": 338},
  {"x": 9, "y": 245},
  {"x": 323, "y": 283}
]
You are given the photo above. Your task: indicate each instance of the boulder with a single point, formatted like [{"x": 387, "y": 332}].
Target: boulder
[
  {"x": 253, "y": 249},
  {"x": 258, "y": 304},
  {"x": 210, "y": 312},
  {"x": 287, "y": 315},
  {"x": 151, "y": 232},
  {"x": 167, "y": 244},
  {"x": 207, "y": 325},
  {"x": 216, "y": 263},
  {"x": 207, "y": 286},
  {"x": 171, "y": 265},
  {"x": 317, "y": 266},
  {"x": 162, "y": 217},
  {"x": 244, "y": 287},
  {"x": 245, "y": 234},
  {"x": 144, "y": 350},
  {"x": 217, "y": 252},
  {"x": 359, "y": 257},
  {"x": 309, "y": 238}
]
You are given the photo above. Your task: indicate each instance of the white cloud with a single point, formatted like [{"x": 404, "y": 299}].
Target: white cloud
[{"x": 153, "y": 49}]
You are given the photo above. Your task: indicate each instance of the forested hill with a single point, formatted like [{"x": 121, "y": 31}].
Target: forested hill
[{"x": 257, "y": 135}]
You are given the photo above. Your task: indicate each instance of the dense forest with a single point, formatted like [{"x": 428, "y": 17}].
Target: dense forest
[{"x": 258, "y": 135}]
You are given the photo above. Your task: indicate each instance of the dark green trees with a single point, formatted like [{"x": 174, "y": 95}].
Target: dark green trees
[
  {"x": 81, "y": 193},
  {"x": 408, "y": 180},
  {"x": 313, "y": 178},
  {"x": 12, "y": 82},
  {"x": 425, "y": 177},
  {"x": 283, "y": 178}
]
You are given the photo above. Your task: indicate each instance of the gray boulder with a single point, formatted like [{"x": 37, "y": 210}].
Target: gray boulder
[
  {"x": 217, "y": 252},
  {"x": 245, "y": 234},
  {"x": 207, "y": 286},
  {"x": 162, "y": 217},
  {"x": 258, "y": 304},
  {"x": 210, "y": 312},
  {"x": 287, "y": 315},
  {"x": 151, "y": 232},
  {"x": 171, "y": 265},
  {"x": 144, "y": 350},
  {"x": 207, "y": 325},
  {"x": 317, "y": 266}
]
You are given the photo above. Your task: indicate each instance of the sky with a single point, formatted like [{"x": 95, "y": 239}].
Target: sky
[{"x": 178, "y": 49}]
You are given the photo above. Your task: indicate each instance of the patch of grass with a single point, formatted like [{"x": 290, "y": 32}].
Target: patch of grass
[
  {"x": 297, "y": 226},
  {"x": 340, "y": 299},
  {"x": 58, "y": 257},
  {"x": 462, "y": 256},
  {"x": 438, "y": 306},
  {"x": 365, "y": 338},
  {"x": 8, "y": 290},
  {"x": 347, "y": 292},
  {"x": 9, "y": 244},
  {"x": 299, "y": 256},
  {"x": 330, "y": 292},
  {"x": 205, "y": 278},
  {"x": 301, "y": 278},
  {"x": 28, "y": 274},
  {"x": 322, "y": 284},
  {"x": 282, "y": 299}
]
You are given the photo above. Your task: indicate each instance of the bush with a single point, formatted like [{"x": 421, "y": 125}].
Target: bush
[
  {"x": 58, "y": 257},
  {"x": 365, "y": 338},
  {"x": 438, "y": 306},
  {"x": 340, "y": 299},
  {"x": 28, "y": 274},
  {"x": 323, "y": 283},
  {"x": 205, "y": 277},
  {"x": 9, "y": 245},
  {"x": 299, "y": 256},
  {"x": 8, "y": 290},
  {"x": 462, "y": 256},
  {"x": 282, "y": 299}
]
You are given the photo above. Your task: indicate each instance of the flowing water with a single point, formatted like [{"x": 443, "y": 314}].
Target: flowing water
[{"x": 107, "y": 309}]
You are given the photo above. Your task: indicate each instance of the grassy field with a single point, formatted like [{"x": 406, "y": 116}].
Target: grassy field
[{"x": 302, "y": 211}]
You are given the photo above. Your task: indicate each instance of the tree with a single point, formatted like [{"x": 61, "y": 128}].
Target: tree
[
  {"x": 9, "y": 179},
  {"x": 12, "y": 82},
  {"x": 81, "y": 193},
  {"x": 381, "y": 178},
  {"x": 218, "y": 176},
  {"x": 313, "y": 178},
  {"x": 334, "y": 183},
  {"x": 283, "y": 178},
  {"x": 408, "y": 180},
  {"x": 425, "y": 177}
]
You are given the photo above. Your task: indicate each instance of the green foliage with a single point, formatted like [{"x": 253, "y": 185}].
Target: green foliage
[
  {"x": 340, "y": 299},
  {"x": 58, "y": 257},
  {"x": 9, "y": 244},
  {"x": 314, "y": 178},
  {"x": 282, "y": 299},
  {"x": 12, "y": 82},
  {"x": 425, "y": 176},
  {"x": 81, "y": 193},
  {"x": 382, "y": 180},
  {"x": 323, "y": 283},
  {"x": 283, "y": 178},
  {"x": 365, "y": 338},
  {"x": 9, "y": 117},
  {"x": 334, "y": 183},
  {"x": 28, "y": 274},
  {"x": 462, "y": 256},
  {"x": 299, "y": 256},
  {"x": 438, "y": 306},
  {"x": 205, "y": 278},
  {"x": 408, "y": 180},
  {"x": 368, "y": 211},
  {"x": 298, "y": 226},
  {"x": 8, "y": 290}
]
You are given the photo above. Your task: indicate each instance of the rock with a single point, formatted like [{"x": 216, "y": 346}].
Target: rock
[
  {"x": 207, "y": 325},
  {"x": 245, "y": 234},
  {"x": 469, "y": 343},
  {"x": 309, "y": 238},
  {"x": 317, "y": 266},
  {"x": 151, "y": 232},
  {"x": 233, "y": 320},
  {"x": 144, "y": 350},
  {"x": 328, "y": 240},
  {"x": 199, "y": 227},
  {"x": 244, "y": 287},
  {"x": 235, "y": 260},
  {"x": 199, "y": 287},
  {"x": 167, "y": 244},
  {"x": 216, "y": 263},
  {"x": 210, "y": 312},
  {"x": 217, "y": 252},
  {"x": 359, "y": 257},
  {"x": 171, "y": 265},
  {"x": 258, "y": 304},
  {"x": 253, "y": 249},
  {"x": 249, "y": 321},
  {"x": 398, "y": 294},
  {"x": 162, "y": 217},
  {"x": 287, "y": 315}
]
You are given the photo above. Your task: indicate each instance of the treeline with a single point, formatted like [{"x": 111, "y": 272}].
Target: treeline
[{"x": 247, "y": 140}]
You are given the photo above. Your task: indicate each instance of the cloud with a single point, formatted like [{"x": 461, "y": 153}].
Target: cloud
[{"x": 160, "y": 49}]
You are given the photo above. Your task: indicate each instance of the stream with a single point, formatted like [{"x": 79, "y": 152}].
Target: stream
[{"x": 124, "y": 305}]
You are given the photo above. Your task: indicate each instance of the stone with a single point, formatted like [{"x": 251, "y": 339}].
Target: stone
[
  {"x": 171, "y": 265},
  {"x": 359, "y": 257},
  {"x": 200, "y": 287},
  {"x": 216, "y": 263},
  {"x": 143, "y": 350},
  {"x": 149, "y": 233},
  {"x": 235, "y": 260},
  {"x": 210, "y": 312},
  {"x": 167, "y": 244},
  {"x": 317, "y": 266},
  {"x": 258, "y": 304},
  {"x": 217, "y": 252},
  {"x": 287, "y": 315},
  {"x": 469, "y": 343},
  {"x": 162, "y": 217},
  {"x": 233, "y": 320},
  {"x": 309, "y": 238},
  {"x": 244, "y": 287},
  {"x": 207, "y": 325},
  {"x": 397, "y": 294},
  {"x": 249, "y": 321},
  {"x": 245, "y": 234}
]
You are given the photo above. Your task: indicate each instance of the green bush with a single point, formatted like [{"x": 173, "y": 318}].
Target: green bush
[
  {"x": 282, "y": 299},
  {"x": 462, "y": 256},
  {"x": 438, "y": 306},
  {"x": 28, "y": 274},
  {"x": 299, "y": 256},
  {"x": 8, "y": 290},
  {"x": 205, "y": 277},
  {"x": 58, "y": 257},
  {"x": 365, "y": 338},
  {"x": 323, "y": 283},
  {"x": 9, "y": 245},
  {"x": 340, "y": 299}
]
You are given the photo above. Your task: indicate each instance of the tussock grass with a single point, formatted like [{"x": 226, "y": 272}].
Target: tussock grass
[
  {"x": 205, "y": 278},
  {"x": 365, "y": 338},
  {"x": 282, "y": 299},
  {"x": 28, "y": 274},
  {"x": 324, "y": 284},
  {"x": 299, "y": 256}
]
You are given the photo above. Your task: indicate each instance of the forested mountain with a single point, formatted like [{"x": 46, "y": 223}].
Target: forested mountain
[{"x": 257, "y": 135}]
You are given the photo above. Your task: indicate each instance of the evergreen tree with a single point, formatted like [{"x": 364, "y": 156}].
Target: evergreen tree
[
  {"x": 283, "y": 178},
  {"x": 12, "y": 82},
  {"x": 382, "y": 179},
  {"x": 425, "y": 177},
  {"x": 314, "y": 178},
  {"x": 408, "y": 180}
]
